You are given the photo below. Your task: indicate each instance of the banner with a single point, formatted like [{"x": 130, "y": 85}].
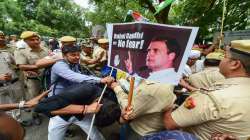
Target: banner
[{"x": 152, "y": 51}]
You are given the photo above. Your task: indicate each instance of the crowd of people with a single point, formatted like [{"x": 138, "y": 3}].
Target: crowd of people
[{"x": 63, "y": 80}]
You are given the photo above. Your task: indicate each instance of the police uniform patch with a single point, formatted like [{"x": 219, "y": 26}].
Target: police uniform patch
[{"x": 189, "y": 103}]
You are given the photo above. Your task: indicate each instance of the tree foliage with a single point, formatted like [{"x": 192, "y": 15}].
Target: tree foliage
[
  {"x": 205, "y": 14},
  {"x": 48, "y": 17},
  {"x": 64, "y": 17}
]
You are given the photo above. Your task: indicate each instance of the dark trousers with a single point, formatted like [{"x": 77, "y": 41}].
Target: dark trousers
[{"x": 127, "y": 133}]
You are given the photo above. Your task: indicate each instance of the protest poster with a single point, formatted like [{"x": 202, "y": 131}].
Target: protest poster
[{"x": 155, "y": 52}]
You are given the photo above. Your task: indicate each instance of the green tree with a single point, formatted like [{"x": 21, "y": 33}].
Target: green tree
[
  {"x": 145, "y": 7},
  {"x": 207, "y": 14},
  {"x": 48, "y": 17}
]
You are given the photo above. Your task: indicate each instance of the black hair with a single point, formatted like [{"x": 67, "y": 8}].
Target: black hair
[
  {"x": 108, "y": 114},
  {"x": 171, "y": 44},
  {"x": 211, "y": 62},
  {"x": 244, "y": 58},
  {"x": 71, "y": 48}
]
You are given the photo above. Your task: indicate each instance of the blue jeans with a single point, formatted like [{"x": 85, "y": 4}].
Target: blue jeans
[{"x": 170, "y": 135}]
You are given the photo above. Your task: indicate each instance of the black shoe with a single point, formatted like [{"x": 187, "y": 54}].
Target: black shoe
[
  {"x": 69, "y": 133},
  {"x": 26, "y": 123},
  {"x": 37, "y": 121}
]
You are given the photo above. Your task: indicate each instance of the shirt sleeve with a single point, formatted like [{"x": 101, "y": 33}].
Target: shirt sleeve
[
  {"x": 122, "y": 97},
  {"x": 50, "y": 104},
  {"x": 145, "y": 103},
  {"x": 153, "y": 99},
  {"x": 203, "y": 110},
  {"x": 20, "y": 58},
  {"x": 63, "y": 70}
]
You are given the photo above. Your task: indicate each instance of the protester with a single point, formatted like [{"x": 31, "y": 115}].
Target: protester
[
  {"x": 66, "y": 73},
  {"x": 194, "y": 63},
  {"x": 53, "y": 44}
]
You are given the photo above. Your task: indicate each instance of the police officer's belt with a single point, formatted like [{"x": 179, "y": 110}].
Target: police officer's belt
[
  {"x": 3, "y": 84},
  {"x": 33, "y": 78}
]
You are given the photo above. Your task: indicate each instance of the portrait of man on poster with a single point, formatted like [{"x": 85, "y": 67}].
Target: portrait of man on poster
[{"x": 161, "y": 55}]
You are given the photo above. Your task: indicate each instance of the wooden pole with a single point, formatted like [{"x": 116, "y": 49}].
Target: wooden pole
[
  {"x": 131, "y": 90},
  {"x": 222, "y": 21}
]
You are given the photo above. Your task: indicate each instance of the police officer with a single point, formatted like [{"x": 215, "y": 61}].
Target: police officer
[
  {"x": 99, "y": 56},
  {"x": 86, "y": 54},
  {"x": 208, "y": 77},
  {"x": 223, "y": 109},
  {"x": 11, "y": 89},
  {"x": 25, "y": 60},
  {"x": 211, "y": 74}
]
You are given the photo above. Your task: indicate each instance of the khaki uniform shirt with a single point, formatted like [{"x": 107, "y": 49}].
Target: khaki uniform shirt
[
  {"x": 11, "y": 92},
  {"x": 99, "y": 53},
  {"x": 83, "y": 57},
  {"x": 206, "y": 78},
  {"x": 225, "y": 110},
  {"x": 28, "y": 56},
  {"x": 149, "y": 102},
  {"x": 6, "y": 62}
]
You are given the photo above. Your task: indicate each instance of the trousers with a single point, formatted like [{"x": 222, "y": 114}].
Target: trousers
[
  {"x": 12, "y": 93},
  {"x": 57, "y": 127}
]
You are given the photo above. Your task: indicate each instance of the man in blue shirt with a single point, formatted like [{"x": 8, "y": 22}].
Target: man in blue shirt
[{"x": 66, "y": 73}]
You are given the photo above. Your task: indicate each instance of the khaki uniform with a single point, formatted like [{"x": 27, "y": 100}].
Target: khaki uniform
[
  {"x": 225, "y": 109},
  {"x": 9, "y": 92},
  {"x": 149, "y": 102},
  {"x": 27, "y": 56},
  {"x": 84, "y": 57},
  {"x": 206, "y": 78},
  {"x": 101, "y": 54}
]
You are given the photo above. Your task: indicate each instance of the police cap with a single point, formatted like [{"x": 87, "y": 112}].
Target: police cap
[
  {"x": 67, "y": 39},
  {"x": 215, "y": 56},
  {"x": 103, "y": 41},
  {"x": 240, "y": 47},
  {"x": 28, "y": 34}
]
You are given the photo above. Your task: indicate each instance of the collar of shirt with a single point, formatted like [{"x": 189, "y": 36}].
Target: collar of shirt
[
  {"x": 31, "y": 50},
  {"x": 162, "y": 72},
  {"x": 237, "y": 80},
  {"x": 164, "y": 76}
]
